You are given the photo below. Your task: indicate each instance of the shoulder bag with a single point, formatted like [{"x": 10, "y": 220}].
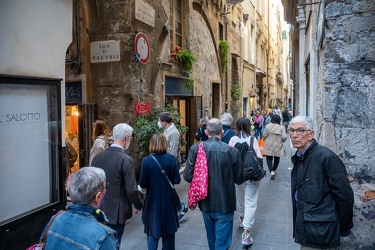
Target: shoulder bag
[
  {"x": 42, "y": 244},
  {"x": 198, "y": 188},
  {"x": 176, "y": 197}
]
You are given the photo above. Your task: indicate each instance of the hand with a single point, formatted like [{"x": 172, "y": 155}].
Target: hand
[{"x": 137, "y": 211}]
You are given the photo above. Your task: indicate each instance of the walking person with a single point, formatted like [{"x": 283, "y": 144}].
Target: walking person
[
  {"x": 200, "y": 135},
  {"x": 274, "y": 135},
  {"x": 160, "y": 210},
  {"x": 174, "y": 147},
  {"x": 82, "y": 226},
  {"x": 119, "y": 169},
  {"x": 224, "y": 171},
  {"x": 286, "y": 118},
  {"x": 246, "y": 193},
  {"x": 322, "y": 198},
  {"x": 258, "y": 122},
  {"x": 102, "y": 138},
  {"x": 226, "y": 120}
]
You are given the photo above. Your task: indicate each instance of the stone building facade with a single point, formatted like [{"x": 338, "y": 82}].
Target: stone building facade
[
  {"x": 198, "y": 26},
  {"x": 333, "y": 72}
]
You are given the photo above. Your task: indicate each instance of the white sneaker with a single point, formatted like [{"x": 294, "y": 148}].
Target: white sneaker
[
  {"x": 247, "y": 240},
  {"x": 273, "y": 174}
]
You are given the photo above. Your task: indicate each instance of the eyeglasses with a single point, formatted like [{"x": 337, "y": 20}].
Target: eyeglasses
[{"x": 299, "y": 131}]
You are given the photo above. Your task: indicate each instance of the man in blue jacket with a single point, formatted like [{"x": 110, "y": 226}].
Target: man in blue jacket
[{"x": 322, "y": 197}]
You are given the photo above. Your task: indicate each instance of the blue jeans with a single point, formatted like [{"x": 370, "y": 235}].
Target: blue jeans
[
  {"x": 258, "y": 132},
  {"x": 219, "y": 228},
  {"x": 119, "y": 228}
]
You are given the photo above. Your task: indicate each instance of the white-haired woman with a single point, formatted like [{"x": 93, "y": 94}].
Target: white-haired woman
[{"x": 80, "y": 227}]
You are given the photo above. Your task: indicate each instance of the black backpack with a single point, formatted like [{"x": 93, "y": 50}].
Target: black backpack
[{"x": 253, "y": 165}]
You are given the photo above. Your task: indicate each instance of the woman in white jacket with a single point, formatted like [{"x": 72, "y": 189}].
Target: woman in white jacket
[
  {"x": 274, "y": 135},
  {"x": 246, "y": 193},
  {"x": 102, "y": 137}
]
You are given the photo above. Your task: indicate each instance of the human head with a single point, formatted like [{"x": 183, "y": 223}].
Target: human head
[
  {"x": 87, "y": 186},
  {"x": 226, "y": 119},
  {"x": 100, "y": 128},
  {"x": 304, "y": 123},
  {"x": 275, "y": 119},
  {"x": 165, "y": 119},
  {"x": 203, "y": 121},
  {"x": 257, "y": 113},
  {"x": 158, "y": 144},
  {"x": 122, "y": 134},
  {"x": 243, "y": 127},
  {"x": 214, "y": 127}
]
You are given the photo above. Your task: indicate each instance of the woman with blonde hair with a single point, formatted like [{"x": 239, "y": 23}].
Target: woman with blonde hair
[
  {"x": 160, "y": 212},
  {"x": 102, "y": 137}
]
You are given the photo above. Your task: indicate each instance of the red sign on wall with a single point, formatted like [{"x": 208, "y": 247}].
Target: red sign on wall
[{"x": 141, "y": 107}]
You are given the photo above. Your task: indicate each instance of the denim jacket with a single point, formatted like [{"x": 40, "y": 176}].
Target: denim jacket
[{"x": 80, "y": 228}]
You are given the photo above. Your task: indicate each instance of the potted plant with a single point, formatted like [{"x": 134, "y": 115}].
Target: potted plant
[
  {"x": 146, "y": 125},
  {"x": 186, "y": 58}
]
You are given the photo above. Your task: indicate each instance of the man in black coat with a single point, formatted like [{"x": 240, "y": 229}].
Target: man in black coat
[
  {"x": 322, "y": 197},
  {"x": 122, "y": 191}
]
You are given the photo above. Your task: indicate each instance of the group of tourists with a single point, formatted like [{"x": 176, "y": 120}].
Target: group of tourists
[{"x": 104, "y": 195}]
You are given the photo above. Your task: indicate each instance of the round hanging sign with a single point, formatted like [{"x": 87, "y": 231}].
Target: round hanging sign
[{"x": 142, "y": 48}]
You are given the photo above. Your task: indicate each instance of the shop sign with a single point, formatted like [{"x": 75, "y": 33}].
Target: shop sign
[{"x": 141, "y": 107}]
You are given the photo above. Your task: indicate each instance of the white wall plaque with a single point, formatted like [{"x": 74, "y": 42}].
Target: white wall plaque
[
  {"x": 105, "y": 51},
  {"x": 144, "y": 13}
]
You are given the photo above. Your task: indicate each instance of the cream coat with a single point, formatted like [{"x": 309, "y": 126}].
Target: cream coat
[{"x": 273, "y": 144}]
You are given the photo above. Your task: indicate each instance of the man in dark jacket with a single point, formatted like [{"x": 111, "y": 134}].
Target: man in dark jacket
[
  {"x": 224, "y": 170},
  {"x": 322, "y": 197},
  {"x": 226, "y": 120},
  {"x": 122, "y": 191}
]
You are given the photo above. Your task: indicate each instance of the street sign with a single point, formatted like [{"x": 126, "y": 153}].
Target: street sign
[{"x": 142, "y": 48}]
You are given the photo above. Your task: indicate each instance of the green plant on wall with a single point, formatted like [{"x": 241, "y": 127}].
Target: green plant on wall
[
  {"x": 236, "y": 92},
  {"x": 187, "y": 59},
  {"x": 223, "y": 51},
  {"x": 146, "y": 126}
]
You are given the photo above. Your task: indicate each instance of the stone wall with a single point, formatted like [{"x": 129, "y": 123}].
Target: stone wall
[{"x": 346, "y": 105}]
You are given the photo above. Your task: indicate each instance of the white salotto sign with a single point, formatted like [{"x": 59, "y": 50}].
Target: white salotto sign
[{"x": 105, "y": 51}]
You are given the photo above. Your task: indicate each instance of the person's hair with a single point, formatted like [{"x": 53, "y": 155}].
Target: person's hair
[
  {"x": 275, "y": 119},
  {"x": 243, "y": 127},
  {"x": 257, "y": 112},
  {"x": 214, "y": 127},
  {"x": 100, "y": 128},
  {"x": 305, "y": 119},
  {"x": 226, "y": 119},
  {"x": 85, "y": 184},
  {"x": 166, "y": 117},
  {"x": 158, "y": 144},
  {"x": 203, "y": 121},
  {"x": 121, "y": 130}
]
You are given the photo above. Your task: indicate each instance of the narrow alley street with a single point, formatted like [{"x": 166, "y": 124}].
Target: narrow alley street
[{"x": 273, "y": 220}]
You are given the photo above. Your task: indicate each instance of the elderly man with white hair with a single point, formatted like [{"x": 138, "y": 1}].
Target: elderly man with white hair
[
  {"x": 226, "y": 120},
  {"x": 119, "y": 169}
]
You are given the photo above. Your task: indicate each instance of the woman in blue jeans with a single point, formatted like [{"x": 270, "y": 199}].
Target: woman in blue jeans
[{"x": 258, "y": 124}]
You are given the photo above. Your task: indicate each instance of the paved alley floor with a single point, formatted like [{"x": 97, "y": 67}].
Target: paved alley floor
[{"x": 273, "y": 219}]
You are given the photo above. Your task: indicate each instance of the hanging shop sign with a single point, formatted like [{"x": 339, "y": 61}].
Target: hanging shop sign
[{"x": 141, "y": 107}]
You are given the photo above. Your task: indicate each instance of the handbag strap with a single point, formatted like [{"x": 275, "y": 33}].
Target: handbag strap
[
  {"x": 44, "y": 238},
  {"x": 273, "y": 128},
  {"x": 162, "y": 171}
]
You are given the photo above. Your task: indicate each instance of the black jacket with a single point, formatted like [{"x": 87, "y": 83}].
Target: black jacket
[
  {"x": 324, "y": 209},
  {"x": 224, "y": 170},
  {"x": 201, "y": 135}
]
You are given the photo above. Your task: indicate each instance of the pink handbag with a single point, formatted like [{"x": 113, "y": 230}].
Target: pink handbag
[{"x": 199, "y": 185}]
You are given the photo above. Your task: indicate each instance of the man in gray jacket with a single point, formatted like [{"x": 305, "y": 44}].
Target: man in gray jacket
[
  {"x": 122, "y": 189},
  {"x": 224, "y": 170}
]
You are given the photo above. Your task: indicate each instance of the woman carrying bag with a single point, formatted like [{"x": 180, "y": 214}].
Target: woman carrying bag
[
  {"x": 274, "y": 135},
  {"x": 160, "y": 211}
]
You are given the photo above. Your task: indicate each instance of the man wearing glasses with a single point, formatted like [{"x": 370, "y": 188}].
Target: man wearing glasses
[{"x": 322, "y": 197}]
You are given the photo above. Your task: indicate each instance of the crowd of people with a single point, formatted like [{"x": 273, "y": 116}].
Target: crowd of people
[{"x": 106, "y": 194}]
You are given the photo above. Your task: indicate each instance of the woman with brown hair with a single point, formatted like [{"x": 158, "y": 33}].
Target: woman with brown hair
[
  {"x": 102, "y": 137},
  {"x": 160, "y": 212}
]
